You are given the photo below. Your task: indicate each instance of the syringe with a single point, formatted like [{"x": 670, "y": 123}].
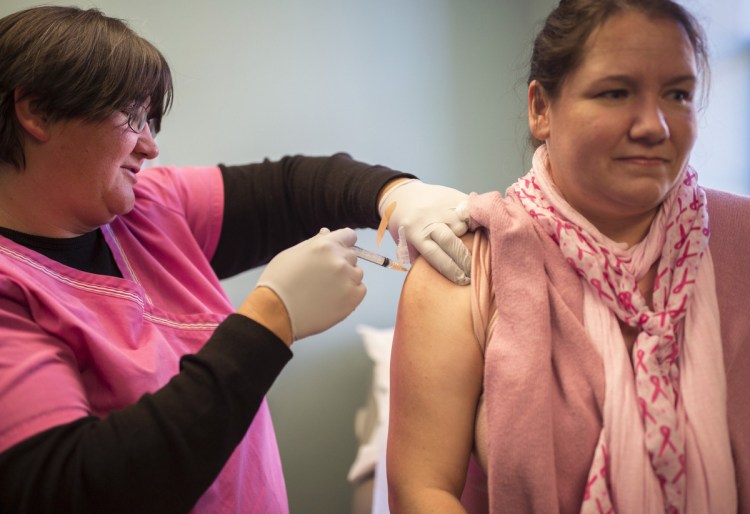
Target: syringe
[{"x": 377, "y": 259}]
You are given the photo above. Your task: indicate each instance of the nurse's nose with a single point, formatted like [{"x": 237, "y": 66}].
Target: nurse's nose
[{"x": 146, "y": 144}]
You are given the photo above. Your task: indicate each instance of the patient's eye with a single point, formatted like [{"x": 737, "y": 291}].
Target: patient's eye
[
  {"x": 682, "y": 95},
  {"x": 614, "y": 94}
]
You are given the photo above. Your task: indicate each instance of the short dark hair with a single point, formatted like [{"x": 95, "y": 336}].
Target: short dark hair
[
  {"x": 558, "y": 48},
  {"x": 75, "y": 63}
]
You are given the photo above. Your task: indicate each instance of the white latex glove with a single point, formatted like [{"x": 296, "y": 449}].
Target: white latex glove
[
  {"x": 318, "y": 281},
  {"x": 433, "y": 218}
]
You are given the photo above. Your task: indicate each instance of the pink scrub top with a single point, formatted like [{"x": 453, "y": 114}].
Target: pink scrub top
[{"x": 76, "y": 344}]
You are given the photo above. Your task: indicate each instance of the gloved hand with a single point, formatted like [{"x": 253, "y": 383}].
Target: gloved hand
[
  {"x": 433, "y": 218},
  {"x": 318, "y": 281}
]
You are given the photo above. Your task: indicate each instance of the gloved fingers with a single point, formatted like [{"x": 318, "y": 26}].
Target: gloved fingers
[
  {"x": 344, "y": 236},
  {"x": 456, "y": 218},
  {"x": 344, "y": 291},
  {"x": 462, "y": 212},
  {"x": 339, "y": 242},
  {"x": 448, "y": 217},
  {"x": 450, "y": 242},
  {"x": 458, "y": 226},
  {"x": 443, "y": 264},
  {"x": 353, "y": 272},
  {"x": 357, "y": 295},
  {"x": 447, "y": 254},
  {"x": 416, "y": 233},
  {"x": 444, "y": 235}
]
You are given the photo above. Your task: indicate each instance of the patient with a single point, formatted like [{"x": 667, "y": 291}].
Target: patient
[{"x": 600, "y": 360}]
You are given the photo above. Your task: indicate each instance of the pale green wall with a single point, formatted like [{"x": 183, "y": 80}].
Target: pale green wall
[{"x": 434, "y": 87}]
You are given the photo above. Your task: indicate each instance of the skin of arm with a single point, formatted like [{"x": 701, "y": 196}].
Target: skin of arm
[
  {"x": 264, "y": 306},
  {"x": 436, "y": 381}
]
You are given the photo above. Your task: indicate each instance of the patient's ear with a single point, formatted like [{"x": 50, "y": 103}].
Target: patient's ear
[
  {"x": 538, "y": 111},
  {"x": 33, "y": 121}
]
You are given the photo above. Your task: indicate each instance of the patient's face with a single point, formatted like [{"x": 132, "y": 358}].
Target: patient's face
[{"x": 621, "y": 130}]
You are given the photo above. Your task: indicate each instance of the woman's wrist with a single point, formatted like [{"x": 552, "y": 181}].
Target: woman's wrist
[{"x": 263, "y": 306}]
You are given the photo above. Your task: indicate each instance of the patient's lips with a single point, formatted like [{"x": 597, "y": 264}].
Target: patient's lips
[{"x": 644, "y": 160}]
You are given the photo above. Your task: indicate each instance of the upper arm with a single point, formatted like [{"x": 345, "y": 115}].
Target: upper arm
[{"x": 436, "y": 380}]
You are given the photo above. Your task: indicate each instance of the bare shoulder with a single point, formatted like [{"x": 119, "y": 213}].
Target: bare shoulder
[
  {"x": 432, "y": 303},
  {"x": 425, "y": 283}
]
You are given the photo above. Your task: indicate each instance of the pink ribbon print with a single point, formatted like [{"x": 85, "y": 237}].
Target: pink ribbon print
[{"x": 655, "y": 353}]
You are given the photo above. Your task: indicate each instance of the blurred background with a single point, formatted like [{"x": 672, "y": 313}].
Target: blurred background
[{"x": 433, "y": 87}]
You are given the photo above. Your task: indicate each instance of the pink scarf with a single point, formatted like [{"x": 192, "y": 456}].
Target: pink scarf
[{"x": 664, "y": 446}]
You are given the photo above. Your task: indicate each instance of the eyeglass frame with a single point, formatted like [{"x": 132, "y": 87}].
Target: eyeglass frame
[{"x": 138, "y": 124}]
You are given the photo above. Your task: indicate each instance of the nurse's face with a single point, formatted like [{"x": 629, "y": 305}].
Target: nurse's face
[
  {"x": 621, "y": 129},
  {"x": 97, "y": 167}
]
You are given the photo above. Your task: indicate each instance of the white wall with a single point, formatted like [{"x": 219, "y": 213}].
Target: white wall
[{"x": 433, "y": 87}]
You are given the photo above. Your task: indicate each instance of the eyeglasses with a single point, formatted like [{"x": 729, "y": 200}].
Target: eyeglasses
[{"x": 138, "y": 119}]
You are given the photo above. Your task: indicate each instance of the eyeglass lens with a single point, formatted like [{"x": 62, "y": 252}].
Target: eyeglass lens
[{"x": 139, "y": 119}]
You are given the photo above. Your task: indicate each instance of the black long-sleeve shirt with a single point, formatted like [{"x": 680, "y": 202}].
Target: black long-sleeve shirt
[{"x": 161, "y": 453}]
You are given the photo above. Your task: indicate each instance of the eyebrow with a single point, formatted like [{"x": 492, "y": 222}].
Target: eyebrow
[{"x": 627, "y": 79}]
